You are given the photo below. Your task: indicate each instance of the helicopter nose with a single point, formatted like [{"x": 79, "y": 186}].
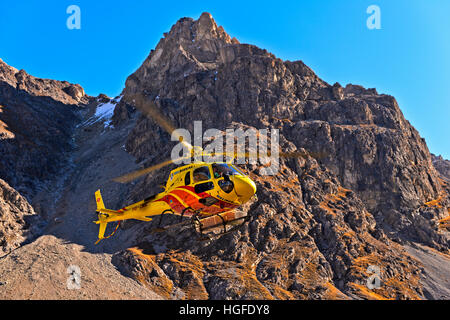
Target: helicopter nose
[{"x": 245, "y": 188}]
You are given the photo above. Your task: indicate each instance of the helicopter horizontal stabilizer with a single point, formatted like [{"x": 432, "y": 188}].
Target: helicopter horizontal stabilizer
[
  {"x": 144, "y": 219},
  {"x": 108, "y": 211}
]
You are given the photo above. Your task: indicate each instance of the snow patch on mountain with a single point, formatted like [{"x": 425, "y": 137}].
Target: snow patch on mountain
[{"x": 103, "y": 112}]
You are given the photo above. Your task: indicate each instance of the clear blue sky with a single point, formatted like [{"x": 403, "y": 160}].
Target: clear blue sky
[{"x": 409, "y": 57}]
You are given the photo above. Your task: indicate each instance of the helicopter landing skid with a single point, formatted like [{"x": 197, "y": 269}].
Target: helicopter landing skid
[
  {"x": 173, "y": 226},
  {"x": 159, "y": 229}
]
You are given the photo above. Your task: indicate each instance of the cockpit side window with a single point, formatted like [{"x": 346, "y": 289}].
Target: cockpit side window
[
  {"x": 187, "y": 178},
  {"x": 201, "y": 174},
  {"x": 221, "y": 169}
]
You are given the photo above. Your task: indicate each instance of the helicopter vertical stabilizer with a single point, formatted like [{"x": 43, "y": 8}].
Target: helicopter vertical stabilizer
[{"x": 99, "y": 200}]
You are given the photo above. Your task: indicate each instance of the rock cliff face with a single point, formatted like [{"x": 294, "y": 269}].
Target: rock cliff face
[
  {"x": 37, "y": 117},
  {"x": 317, "y": 226},
  {"x": 16, "y": 218}
]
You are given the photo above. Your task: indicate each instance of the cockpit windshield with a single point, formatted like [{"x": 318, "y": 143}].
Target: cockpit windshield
[{"x": 222, "y": 169}]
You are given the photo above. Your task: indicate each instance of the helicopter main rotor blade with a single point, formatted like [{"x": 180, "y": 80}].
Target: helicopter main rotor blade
[
  {"x": 149, "y": 109},
  {"x": 255, "y": 155},
  {"x": 138, "y": 173}
]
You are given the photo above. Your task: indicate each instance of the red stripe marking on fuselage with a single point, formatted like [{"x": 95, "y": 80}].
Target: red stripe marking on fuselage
[
  {"x": 192, "y": 189},
  {"x": 173, "y": 202},
  {"x": 192, "y": 201},
  {"x": 221, "y": 203},
  {"x": 189, "y": 199}
]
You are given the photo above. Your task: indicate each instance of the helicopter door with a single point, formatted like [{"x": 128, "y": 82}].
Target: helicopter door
[
  {"x": 187, "y": 178},
  {"x": 202, "y": 179}
]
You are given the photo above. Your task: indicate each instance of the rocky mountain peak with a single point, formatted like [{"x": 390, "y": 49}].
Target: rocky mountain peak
[
  {"x": 205, "y": 28},
  {"x": 189, "y": 47}
]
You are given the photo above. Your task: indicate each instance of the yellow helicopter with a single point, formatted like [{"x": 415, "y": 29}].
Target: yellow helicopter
[{"x": 207, "y": 192}]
